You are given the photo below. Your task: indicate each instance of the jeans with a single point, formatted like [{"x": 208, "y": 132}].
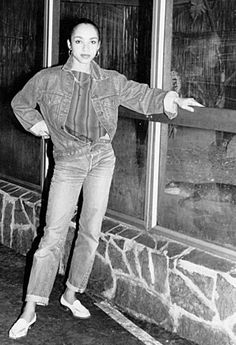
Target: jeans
[{"x": 92, "y": 167}]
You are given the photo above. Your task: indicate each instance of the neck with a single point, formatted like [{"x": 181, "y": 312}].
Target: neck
[{"x": 80, "y": 67}]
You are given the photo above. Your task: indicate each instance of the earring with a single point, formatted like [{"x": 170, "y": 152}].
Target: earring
[
  {"x": 69, "y": 51},
  {"x": 97, "y": 54}
]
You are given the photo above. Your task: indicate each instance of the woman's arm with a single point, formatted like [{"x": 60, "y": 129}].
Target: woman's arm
[
  {"x": 25, "y": 102},
  {"x": 143, "y": 99}
]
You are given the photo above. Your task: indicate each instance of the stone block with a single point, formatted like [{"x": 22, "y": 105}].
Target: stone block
[
  {"x": 204, "y": 283},
  {"x": 226, "y": 297},
  {"x": 145, "y": 266},
  {"x": 130, "y": 233},
  {"x": 3, "y": 184},
  {"x": 38, "y": 210},
  {"x": 20, "y": 217},
  {"x": 117, "y": 259},
  {"x": 204, "y": 259},
  {"x": 184, "y": 297},
  {"x": 119, "y": 242},
  {"x": 108, "y": 224},
  {"x": 160, "y": 245},
  {"x": 117, "y": 230},
  {"x": 101, "y": 278},
  {"x": 30, "y": 211},
  {"x": 146, "y": 240},
  {"x": 19, "y": 192},
  {"x": 160, "y": 272},
  {"x": 102, "y": 247},
  {"x": 22, "y": 240},
  {"x": 7, "y": 224},
  {"x": 142, "y": 303},
  {"x": 202, "y": 334},
  {"x": 131, "y": 259},
  {"x": 1, "y": 206},
  {"x": 8, "y": 188},
  {"x": 32, "y": 197},
  {"x": 175, "y": 249}
]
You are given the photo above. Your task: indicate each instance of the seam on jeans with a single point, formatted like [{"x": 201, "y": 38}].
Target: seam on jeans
[{"x": 84, "y": 281}]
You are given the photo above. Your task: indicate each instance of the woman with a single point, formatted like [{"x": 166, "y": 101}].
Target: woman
[{"x": 78, "y": 110}]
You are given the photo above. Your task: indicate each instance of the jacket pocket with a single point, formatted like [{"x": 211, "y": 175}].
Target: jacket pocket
[
  {"x": 110, "y": 102},
  {"x": 52, "y": 102}
]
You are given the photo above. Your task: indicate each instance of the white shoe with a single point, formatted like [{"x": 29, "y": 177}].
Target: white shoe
[
  {"x": 20, "y": 328},
  {"x": 77, "y": 309}
]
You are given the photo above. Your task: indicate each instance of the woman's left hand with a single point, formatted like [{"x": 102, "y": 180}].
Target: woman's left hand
[{"x": 187, "y": 103}]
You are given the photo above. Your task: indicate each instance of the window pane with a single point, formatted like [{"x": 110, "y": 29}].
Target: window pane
[
  {"x": 21, "y": 55},
  {"x": 204, "y": 50},
  {"x": 200, "y": 185},
  {"x": 199, "y": 195},
  {"x": 128, "y": 185},
  {"x": 126, "y": 47}
]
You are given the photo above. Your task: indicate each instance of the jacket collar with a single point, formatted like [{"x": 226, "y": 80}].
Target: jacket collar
[{"x": 97, "y": 72}]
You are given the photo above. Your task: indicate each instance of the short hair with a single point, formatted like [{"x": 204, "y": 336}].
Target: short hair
[{"x": 76, "y": 22}]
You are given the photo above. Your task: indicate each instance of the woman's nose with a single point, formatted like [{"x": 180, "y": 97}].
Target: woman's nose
[{"x": 85, "y": 46}]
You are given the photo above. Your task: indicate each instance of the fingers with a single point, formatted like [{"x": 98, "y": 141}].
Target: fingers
[
  {"x": 194, "y": 103},
  {"x": 40, "y": 129},
  {"x": 188, "y": 104},
  {"x": 187, "y": 107},
  {"x": 44, "y": 134}
]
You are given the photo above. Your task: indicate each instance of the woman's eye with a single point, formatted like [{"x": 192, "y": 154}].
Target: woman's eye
[
  {"x": 93, "y": 42},
  {"x": 77, "y": 41}
]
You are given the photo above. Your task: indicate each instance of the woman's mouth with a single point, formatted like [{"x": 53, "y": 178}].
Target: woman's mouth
[{"x": 85, "y": 56}]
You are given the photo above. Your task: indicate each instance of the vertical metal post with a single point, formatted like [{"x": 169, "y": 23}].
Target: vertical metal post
[
  {"x": 50, "y": 57},
  {"x": 154, "y": 131},
  {"x": 48, "y": 30},
  {"x": 47, "y": 60}
]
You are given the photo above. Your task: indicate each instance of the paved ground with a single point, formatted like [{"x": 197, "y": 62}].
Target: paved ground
[{"x": 55, "y": 326}]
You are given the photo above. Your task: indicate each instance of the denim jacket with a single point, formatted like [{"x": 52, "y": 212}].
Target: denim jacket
[{"x": 52, "y": 88}]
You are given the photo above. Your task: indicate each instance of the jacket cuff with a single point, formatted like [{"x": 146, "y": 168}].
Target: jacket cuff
[{"x": 170, "y": 107}]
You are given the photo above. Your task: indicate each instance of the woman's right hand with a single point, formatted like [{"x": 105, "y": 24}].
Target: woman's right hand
[{"x": 40, "y": 129}]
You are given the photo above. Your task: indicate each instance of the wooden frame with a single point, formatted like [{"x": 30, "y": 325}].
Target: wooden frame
[
  {"x": 109, "y": 2},
  {"x": 205, "y": 118}
]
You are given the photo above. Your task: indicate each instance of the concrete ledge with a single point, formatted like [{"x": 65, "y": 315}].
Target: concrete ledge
[{"x": 183, "y": 289}]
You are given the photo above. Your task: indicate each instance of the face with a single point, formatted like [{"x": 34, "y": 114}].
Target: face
[{"x": 84, "y": 43}]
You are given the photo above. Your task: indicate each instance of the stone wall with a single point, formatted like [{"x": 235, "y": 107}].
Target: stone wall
[
  {"x": 19, "y": 216},
  {"x": 180, "y": 288}
]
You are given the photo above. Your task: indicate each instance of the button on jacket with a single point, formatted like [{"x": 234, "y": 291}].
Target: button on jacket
[{"x": 52, "y": 89}]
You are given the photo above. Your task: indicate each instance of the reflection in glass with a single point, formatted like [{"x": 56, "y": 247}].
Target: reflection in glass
[
  {"x": 200, "y": 181},
  {"x": 129, "y": 180},
  {"x": 204, "y": 51}
]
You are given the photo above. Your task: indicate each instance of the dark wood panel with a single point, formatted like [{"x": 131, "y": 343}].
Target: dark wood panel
[
  {"x": 112, "y": 2},
  {"x": 206, "y": 118},
  {"x": 125, "y": 35},
  {"x": 21, "y": 39}
]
